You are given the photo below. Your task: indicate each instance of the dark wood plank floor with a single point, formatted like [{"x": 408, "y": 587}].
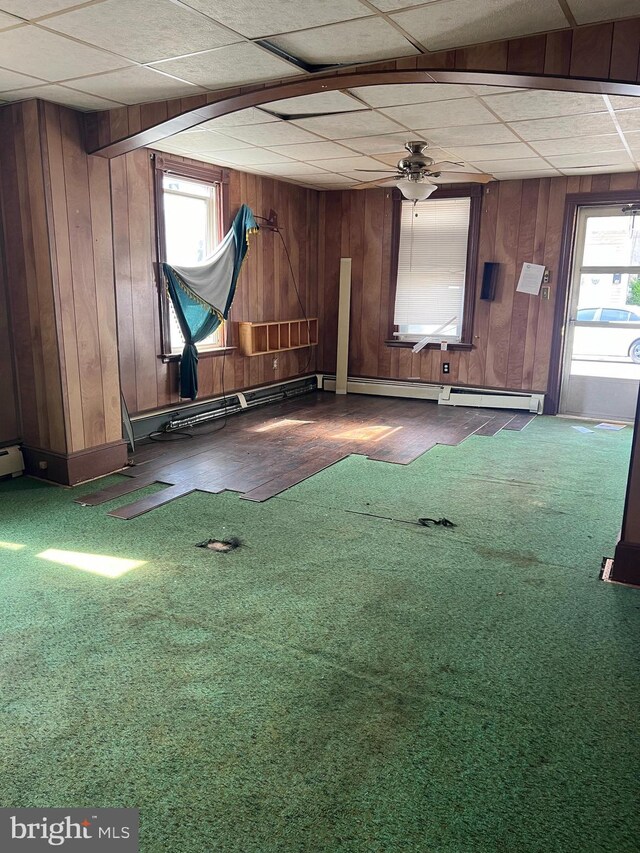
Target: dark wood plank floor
[{"x": 263, "y": 452}]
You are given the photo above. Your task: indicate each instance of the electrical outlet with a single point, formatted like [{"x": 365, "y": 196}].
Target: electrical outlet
[
  {"x": 275, "y": 364},
  {"x": 445, "y": 366}
]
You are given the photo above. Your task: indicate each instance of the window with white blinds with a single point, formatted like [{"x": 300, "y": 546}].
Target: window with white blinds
[{"x": 432, "y": 260}]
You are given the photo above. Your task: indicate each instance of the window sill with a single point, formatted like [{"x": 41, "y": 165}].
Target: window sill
[
  {"x": 411, "y": 344},
  {"x": 202, "y": 353}
]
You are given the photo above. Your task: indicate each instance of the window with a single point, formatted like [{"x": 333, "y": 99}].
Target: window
[
  {"x": 436, "y": 268},
  {"x": 190, "y": 219},
  {"x": 614, "y": 315},
  {"x": 586, "y": 315}
]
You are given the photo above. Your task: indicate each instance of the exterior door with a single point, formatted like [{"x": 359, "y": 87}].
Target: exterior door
[{"x": 601, "y": 369}]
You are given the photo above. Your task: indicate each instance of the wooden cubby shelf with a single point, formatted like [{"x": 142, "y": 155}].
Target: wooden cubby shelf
[{"x": 276, "y": 336}]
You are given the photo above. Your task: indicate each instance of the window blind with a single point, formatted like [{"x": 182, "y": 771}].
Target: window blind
[{"x": 432, "y": 261}]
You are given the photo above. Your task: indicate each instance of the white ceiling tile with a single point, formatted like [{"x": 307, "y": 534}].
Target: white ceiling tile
[
  {"x": 350, "y": 164},
  {"x": 322, "y": 102},
  {"x": 633, "y": 140},
  {"x": 600, "y": 170},
  {"x": 8, "y": 21},
  {"x": 394, "y": 5},
  {"x": 256, "y": 20},
  {"x": 133, "y": 85},
  {"x": 252, "y": 115},
  {"x": 32, "y": 9},
  {"x": 207, "y": 142},
  {"x": 354, "y": 41},
  {"x": 557, "y": 128},
  {"x": 504, "y": 151},
  {"x": 531, "y": 104},
  {"x": 228, "y": 66},
  {"x": 454, "y": 23},
  {"x": 578, "y": 144},
  {"x": 382, "y": 144},
  {"x": 30, "y": 50},
  {"x": 272, "y": 133},
  {"x": 456, "y": 113},
  {"x": 312, "y": 151},
  {"x": 349, "y": 125},
  {"x": 589, "y": 11},
  {"x": 591, "y": 158},
  {"x": 629, "y": 120},
  {"x": 326, "y": 180},
  {"x": 142, "y": 30},
  {"x": 410, "y": 93},
  {"x": 481, "y": 134},
  {"x": 252, "y": 157},
  {"x": 295, "y": 169},
  {"x": 524, "y": 164},
  {"x": 9, "y": 80},
  {"x": 62, "y": 95},
  {"x": 524, "y": 176},
  {"x": 624, "y": 102},
  {"x": 363, "y": 177},
  {"x": 482, "y": 90}
]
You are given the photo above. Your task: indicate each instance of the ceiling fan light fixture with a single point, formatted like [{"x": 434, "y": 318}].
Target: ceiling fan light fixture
[{"x": 416, "y": 190}]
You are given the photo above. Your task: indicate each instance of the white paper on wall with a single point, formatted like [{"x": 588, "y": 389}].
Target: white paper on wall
[{"x": 530, "y": 279}]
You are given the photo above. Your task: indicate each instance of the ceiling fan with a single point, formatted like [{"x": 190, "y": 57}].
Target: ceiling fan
[{"x": 417, "y": 176}]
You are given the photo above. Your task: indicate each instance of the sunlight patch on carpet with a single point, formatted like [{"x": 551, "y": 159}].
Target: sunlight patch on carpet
[{"x": 99, "y": 564}]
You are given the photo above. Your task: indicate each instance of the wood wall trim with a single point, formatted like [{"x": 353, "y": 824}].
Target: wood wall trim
[
  {"x": 600, "y": 58},
  {"x": 69, "y": 469}
]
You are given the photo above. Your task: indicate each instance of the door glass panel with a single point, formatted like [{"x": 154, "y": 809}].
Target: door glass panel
[
  {"x": 606, "y": 335},
  {"x": 611, "y": 241}
]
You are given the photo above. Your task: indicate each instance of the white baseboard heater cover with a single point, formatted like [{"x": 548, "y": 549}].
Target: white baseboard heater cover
[
  {"x": 446, "y": 395},
  {"x": 11, "y": 461}
]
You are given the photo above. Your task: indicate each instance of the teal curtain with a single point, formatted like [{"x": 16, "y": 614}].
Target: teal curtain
[{"x": 202, "y": 295}]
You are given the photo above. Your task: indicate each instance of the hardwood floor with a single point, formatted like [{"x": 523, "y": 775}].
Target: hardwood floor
[{"x": 263, "y": 452}]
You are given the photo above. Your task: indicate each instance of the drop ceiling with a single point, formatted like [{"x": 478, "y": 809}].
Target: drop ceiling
[
  {"x": 508, "y": 133},
  {"x": 101, "y": 54}
]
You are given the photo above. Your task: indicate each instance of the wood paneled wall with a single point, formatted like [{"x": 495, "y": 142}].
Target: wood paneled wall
[
  {"x": 30, "y": 288},
  {"x": 56, "y": 226},
  {"x": 9, "y": 418},
  {"x": 520, "y": 221},
  {"x": 265, "y": 289},
  {"x": 78, "y": 201}
]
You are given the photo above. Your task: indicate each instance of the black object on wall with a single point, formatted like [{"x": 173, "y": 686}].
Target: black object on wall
[{"x": 489, "y": 279}]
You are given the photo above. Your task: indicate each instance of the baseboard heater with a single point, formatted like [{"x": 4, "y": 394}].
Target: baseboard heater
[
  {"x": 194, "y": 414},
  {"x": 444, "y": 395}
]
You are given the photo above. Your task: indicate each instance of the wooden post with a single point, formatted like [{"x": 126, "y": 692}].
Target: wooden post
[
  {"x": 626, "y": 561},
  {"x": 344, "y": 306}
]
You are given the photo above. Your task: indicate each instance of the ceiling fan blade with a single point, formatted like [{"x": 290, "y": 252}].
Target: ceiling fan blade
[
  {"x": 381, "y": 182},
  {"x": 461, "y": 178},
  {"x": 378, "y": 171}
]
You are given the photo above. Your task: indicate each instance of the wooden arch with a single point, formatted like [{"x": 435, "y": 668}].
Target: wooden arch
[{"x": 601, "y": 59}]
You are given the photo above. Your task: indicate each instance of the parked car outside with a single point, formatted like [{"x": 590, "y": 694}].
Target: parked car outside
[{"x": 615, "y": 332}]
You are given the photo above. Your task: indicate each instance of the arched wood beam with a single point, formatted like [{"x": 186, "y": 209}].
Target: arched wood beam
[{"x": 601, "y": 59}]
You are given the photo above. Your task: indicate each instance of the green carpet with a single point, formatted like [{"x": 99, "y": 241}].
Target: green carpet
[{"x": 344, "y": 683}]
